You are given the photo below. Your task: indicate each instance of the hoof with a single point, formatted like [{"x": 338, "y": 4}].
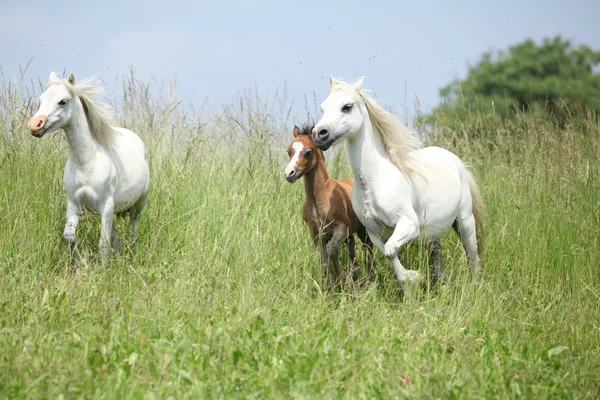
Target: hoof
[
  {"x": 413, "y": 277},
  {"x": 356, "y": 273},
  {"x": 117, "y": 246}
]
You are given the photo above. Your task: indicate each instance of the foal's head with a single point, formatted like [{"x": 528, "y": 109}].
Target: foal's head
[{"x": 302, "y": 152}]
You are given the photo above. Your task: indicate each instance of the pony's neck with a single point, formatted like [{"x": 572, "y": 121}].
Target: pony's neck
[
  {"x": 367, "y": 155},
  {"x": 81, "y": 146},
  {"x": 315, "y": 181}
]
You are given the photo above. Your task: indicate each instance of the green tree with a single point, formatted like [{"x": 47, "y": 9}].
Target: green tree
[{"x": 551, "y": 77}]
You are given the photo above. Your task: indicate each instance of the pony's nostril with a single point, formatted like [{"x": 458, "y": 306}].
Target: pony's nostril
[
  {"x": 323, "y": 133},
  {"x": 39, "y": 124}
]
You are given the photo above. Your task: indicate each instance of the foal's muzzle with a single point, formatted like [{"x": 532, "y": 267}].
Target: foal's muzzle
[{"x": 292, "y": 176}]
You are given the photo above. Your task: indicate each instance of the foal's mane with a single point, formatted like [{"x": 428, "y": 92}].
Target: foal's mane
[
  {"x": 397, "y": 139},
  {"x": 306, "y": 130},
  {"x": 98, "y": 114}
]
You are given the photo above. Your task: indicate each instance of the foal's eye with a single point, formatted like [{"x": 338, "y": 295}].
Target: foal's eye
[
  {"x": 289, "y": 152},
  {"x": 347, "y": 108},
  {"x": 308, "y": 153},
  {"x": 62, "y": 102}
]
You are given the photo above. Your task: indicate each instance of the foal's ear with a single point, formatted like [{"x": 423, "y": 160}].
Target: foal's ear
[
  {"x": 297, "y": 131},
  {"x": 53, "y": 76},
  {"x": 358, "y": 85},
  {"x": 71, "y": 79}
]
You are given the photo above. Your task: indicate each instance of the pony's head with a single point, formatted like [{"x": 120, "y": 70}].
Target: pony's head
[
  {"x": 56, "y": 107},
  {"x": 302, "y": 152},
  {"x": 343, "y": 113}
]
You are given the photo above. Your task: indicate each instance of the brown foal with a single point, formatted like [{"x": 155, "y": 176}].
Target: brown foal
[{"x": 327, "y": 208}]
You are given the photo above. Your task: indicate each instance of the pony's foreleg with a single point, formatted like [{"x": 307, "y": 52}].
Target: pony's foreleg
[
  {"x": 352, "y": 255},
  {"x": 106, "y": 229},
  {"x": 467, "y": 234},
  {"x": 69, "y": 233},
  {"x": 405, "y": 231}
]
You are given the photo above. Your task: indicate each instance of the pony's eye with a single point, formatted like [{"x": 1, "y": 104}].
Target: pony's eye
[
  {"x": 308, "y": 153},
  {"x": 63, "y": 102},
  {"x": 347, "y": 108},
  {"x": 289, "y": 152}
]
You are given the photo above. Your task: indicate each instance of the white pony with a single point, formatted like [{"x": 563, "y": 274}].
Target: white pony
[
  {"x": 107, "y": 170},
  {"x": 401, "y": 191}
]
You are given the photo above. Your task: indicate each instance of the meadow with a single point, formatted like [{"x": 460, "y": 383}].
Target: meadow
[{"x": 222, "y": 296}]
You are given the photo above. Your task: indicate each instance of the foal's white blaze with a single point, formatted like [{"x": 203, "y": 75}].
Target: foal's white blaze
[{"x": 291, "y": 167}]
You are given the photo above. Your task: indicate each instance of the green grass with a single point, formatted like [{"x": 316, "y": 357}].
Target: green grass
[{"x": 222, "y": 295}]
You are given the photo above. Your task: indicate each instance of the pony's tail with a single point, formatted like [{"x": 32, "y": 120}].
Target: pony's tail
[{"x": 478, "y": 210}]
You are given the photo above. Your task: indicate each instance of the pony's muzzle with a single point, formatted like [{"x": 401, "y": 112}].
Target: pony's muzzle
[
  {"x": 322, "y": 135},
  {"x": 36, "y": 125},
  {"x": 321, "y": 138}
]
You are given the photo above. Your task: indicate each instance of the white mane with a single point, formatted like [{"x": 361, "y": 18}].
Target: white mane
[
  {"x": 98, "y": 114},
  {"x": 397, "y": 139}
]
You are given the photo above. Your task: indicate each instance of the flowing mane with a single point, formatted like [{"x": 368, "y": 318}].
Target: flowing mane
[
  {"x": 98, "y": 114},
  {"x": 397, "y": 139}
]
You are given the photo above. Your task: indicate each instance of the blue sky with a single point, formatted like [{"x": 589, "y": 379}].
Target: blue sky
[{"x": 405, "y": 49}]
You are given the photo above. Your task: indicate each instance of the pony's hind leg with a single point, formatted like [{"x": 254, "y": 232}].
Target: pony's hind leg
[
  {"x": 435, "y": 260},
  {"x": 352, "y": 255},
  {"x": 134, "y": 215},
  {"x": 465, "y": 229},
  {"x": 115, "y": 241}
]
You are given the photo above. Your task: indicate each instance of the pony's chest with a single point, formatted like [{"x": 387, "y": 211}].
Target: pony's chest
[
  {"x": 87, "y": 187},
  {"x": 372, "y": 212}
]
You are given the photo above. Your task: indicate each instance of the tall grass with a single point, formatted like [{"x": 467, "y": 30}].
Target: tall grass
[{"x": 222, "y": 295}]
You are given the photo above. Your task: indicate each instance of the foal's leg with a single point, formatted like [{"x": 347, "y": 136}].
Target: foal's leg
[
  {"x": 340, "y": 233},
  {"x": 106, "y": 229},
  {"x": 327, "y": 270},
  {"x": 368, "y": 249},
  {"x": 352, "y": 255},
  {"x": 435, "y": 260},
  {"x": 466, "y": 232}
]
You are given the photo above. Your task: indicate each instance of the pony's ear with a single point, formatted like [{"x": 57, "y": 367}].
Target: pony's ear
[
  {"x": 332, "y": 81},
  {"x": 358, "y": 85},
  {"x": 297, "y": 131},
  {"x": 72, "y": 79},
  {"x": 53, "y": 76}
]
